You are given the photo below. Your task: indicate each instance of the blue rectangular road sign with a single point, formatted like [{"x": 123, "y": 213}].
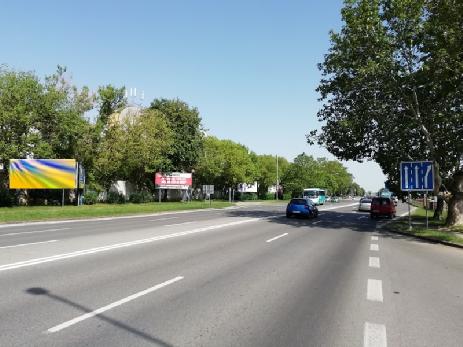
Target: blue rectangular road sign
[{"x": 417, "y": 176}]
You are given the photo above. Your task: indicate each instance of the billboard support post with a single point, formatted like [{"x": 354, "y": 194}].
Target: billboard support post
[{"x": 62, "y": 199}]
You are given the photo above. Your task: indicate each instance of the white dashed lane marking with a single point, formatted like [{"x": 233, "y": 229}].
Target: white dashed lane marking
[
  {"x": 277, "y": 237},
  {"x": 374, "y": 247},
  {"x": 375, "y": 290},
  {"x": 374, "y": 262},
  {"x": 374, "y": 335}
]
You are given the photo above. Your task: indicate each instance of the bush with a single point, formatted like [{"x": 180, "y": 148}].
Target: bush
[
  {"x": 286, "y": 196},
  {"x": 6, "y": 198},
  {"x": 90, "y": 198},
  {"x": 269, "y": 196},
  {"x": 140, "y": 197},
  {"x": 115, "y": 198}
]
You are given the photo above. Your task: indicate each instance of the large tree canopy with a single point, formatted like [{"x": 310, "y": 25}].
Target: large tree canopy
[
  {"x": 392, "y": 88},
  {"x": 185, "y": 123},
  {"x": 307, "y": 172}
]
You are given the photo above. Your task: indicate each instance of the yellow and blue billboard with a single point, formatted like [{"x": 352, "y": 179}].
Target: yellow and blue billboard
[{"x": 43, "y": 173}]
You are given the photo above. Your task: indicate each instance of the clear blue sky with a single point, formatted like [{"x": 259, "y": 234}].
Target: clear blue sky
[{"x": 250, "y": 67}]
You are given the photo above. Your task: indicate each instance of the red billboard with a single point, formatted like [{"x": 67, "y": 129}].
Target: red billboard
[{"x": 174, "y": 180}]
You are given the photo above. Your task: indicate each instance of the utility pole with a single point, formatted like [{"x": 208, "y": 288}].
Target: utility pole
[{"x": 277, "y": 181}]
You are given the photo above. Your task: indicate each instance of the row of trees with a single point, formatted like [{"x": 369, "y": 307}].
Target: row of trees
[
  {"x": 49, "y": 119},
  {"x": 392, "y": 90}
]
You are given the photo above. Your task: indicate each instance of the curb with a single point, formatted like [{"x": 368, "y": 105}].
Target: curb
[{"x": 445, "y": 243}]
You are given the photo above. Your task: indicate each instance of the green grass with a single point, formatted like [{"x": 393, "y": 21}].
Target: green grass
[
  {"x": 436, "y": 231},
  {"x": 39, "y": 213}
]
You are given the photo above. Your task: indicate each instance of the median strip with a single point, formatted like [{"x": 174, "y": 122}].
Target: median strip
[{"x": 112, "y": 305}]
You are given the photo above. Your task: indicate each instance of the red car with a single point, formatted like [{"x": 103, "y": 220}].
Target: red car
[{"x": 382, "y": 207}]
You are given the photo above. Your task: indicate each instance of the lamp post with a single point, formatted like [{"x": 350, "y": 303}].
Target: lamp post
[{"x": 276, "y": 190}]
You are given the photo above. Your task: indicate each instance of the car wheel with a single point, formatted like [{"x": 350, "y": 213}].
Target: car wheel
[
  {"x": 288, "y": 215},
  {"x": 391, "y": 215},
  {"x": 372, "y": 216}
]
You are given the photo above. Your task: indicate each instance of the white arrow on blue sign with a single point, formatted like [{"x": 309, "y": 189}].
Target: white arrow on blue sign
[{"x": 417, "y": 176}]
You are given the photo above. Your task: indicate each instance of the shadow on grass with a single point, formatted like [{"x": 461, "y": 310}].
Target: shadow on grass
[{"x": 140, "y": 334}]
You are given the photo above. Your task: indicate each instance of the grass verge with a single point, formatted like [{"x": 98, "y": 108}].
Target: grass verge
[
  {"x": 436, "y": 231},
  {"x": 40, "y": 213}
]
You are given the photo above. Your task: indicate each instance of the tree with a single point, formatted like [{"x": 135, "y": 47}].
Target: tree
[
  {"x": 185, "y": 123},
  {"x": 225, "y": 164},
  {"x": 110, "y": 99},
  {"x": 300, "y": 175},
  {"x": 133, "y": 150},
  {"x": 41, "y": 120},
  {"x": 147, "y": 142},
  {"x": 383, "y": 90},
  {"x": 266, "y": 166}
]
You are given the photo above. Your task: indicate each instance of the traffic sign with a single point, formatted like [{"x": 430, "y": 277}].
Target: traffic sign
[
  {"x": 208, "y": 189},
  {"x": 417, "y": 176}
]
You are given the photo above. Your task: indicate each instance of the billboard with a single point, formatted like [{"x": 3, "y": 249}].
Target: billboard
[
  {"x": 247, "y": 188},
  {"x": 43, "y": 173},
  {"x": 174, "y": 180}
]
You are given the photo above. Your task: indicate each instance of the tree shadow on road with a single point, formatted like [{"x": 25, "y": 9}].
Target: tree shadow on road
[
  {"x": 148, "y": 338},
  {"x": 331, "y": 220}
]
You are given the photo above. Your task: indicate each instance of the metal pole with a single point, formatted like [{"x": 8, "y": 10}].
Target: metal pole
[
  {"x": 160, "y": 192},
  {"x": 229, "y": 195},
  {"x": 62, "y": 199},
  {"x": 409, "y": 213},
  {"x": 277, "y": 181},
  {"x": 426, "y": 207}
]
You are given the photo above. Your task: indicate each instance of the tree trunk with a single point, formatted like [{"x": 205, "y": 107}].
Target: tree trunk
[
  {"x": 455, "y": 215},
  {"x": 439, "y": 208},
  {"x": 440, "y": 199}
]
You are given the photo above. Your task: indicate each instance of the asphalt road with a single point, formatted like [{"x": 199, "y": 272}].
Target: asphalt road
[{"x": 239, "y": 277}]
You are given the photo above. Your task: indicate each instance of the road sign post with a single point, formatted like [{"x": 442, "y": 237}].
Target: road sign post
[{"x": 417, "y": 176}]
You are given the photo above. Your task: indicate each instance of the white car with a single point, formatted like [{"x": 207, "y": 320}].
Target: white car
[{"x": 365, "y": 204}]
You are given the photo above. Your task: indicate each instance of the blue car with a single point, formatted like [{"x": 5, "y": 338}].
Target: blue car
[{"x": 301, "y": 207}]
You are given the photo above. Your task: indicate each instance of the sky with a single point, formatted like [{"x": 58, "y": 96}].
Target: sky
[{"x": 250, "y": 67}]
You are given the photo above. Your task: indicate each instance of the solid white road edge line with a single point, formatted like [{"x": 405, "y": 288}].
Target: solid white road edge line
[
  {"x": 374, "y": 335},
  {"x": 33, "y": 232},
  {"x": 374, "y": 247},
  {"x": 374, "y": 262},
  {"x": 374, "y": 238},
  {"x": 36, "y": 261},
  {"x": 112, "y": 305},
  {"x": 375, "y": 290},
  {"x": 277, "y": 237},
  {"x": 28, "y": 244}
]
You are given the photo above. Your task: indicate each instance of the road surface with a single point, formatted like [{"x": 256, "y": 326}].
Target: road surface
[{"x": 245, "y": 276}]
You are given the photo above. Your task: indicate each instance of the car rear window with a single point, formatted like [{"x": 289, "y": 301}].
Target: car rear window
[
  {"x": 381, "y": 201},
  {"x": 365, "y": 200},
  {"x": 299, "y": 201}
]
